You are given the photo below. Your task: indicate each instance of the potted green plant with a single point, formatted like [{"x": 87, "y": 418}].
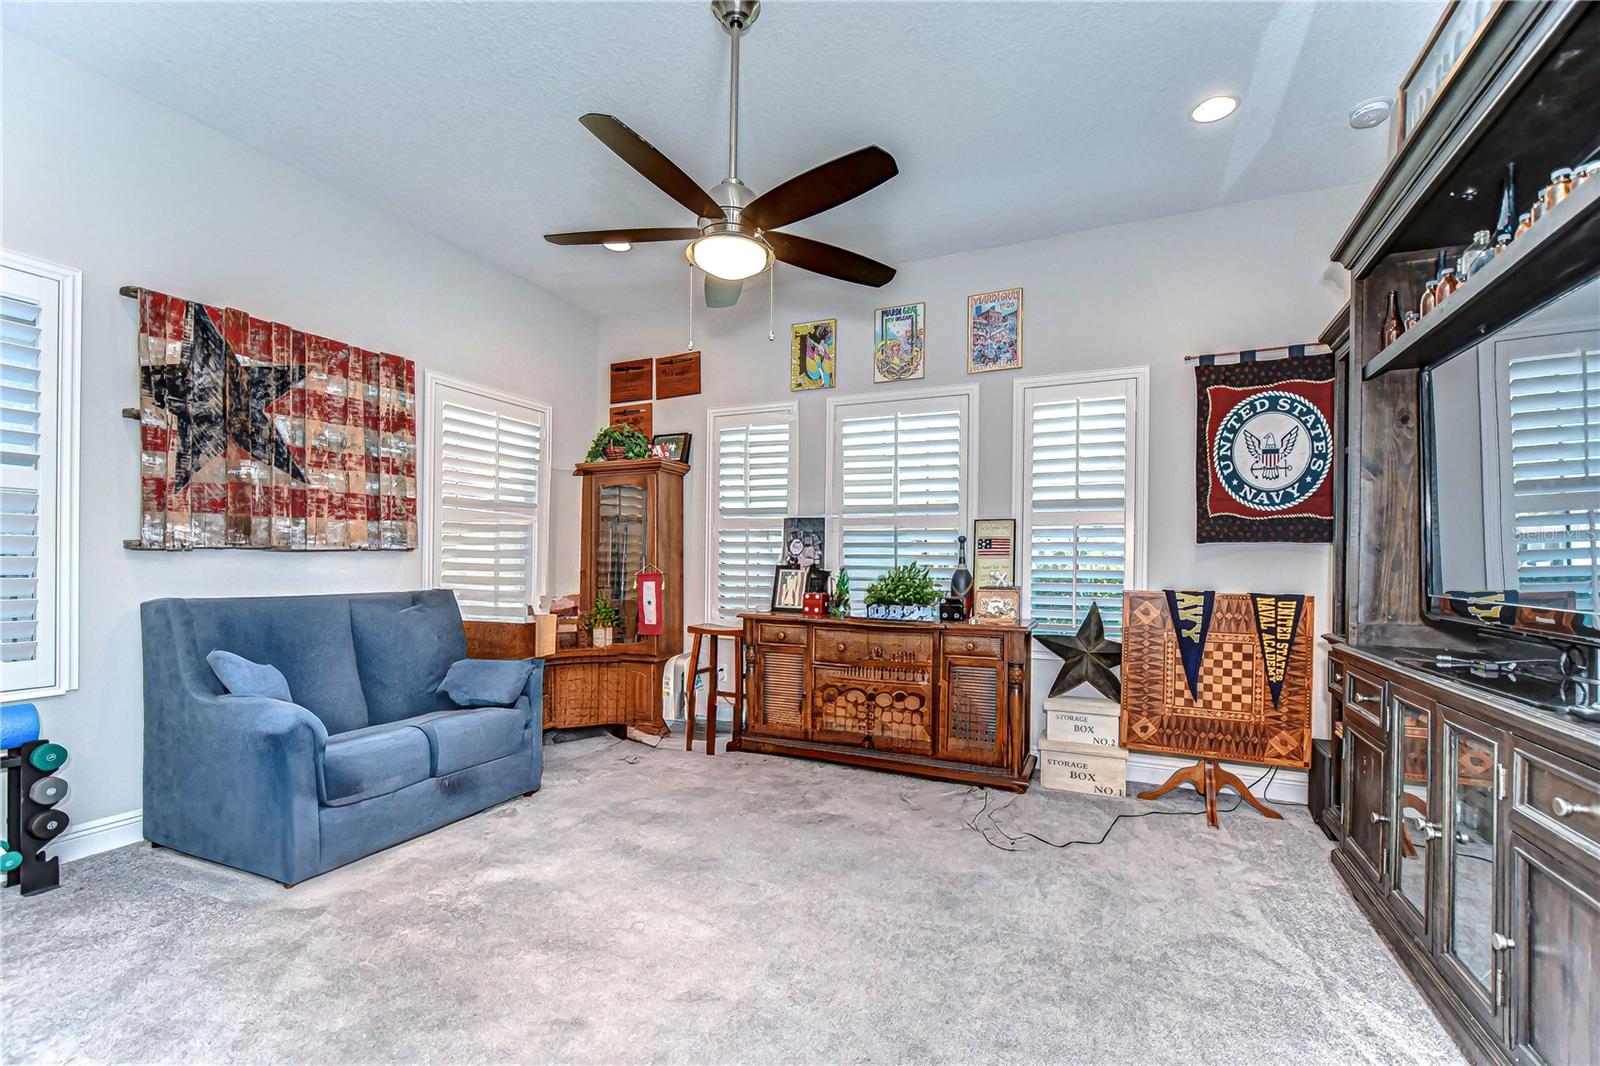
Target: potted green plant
[
  {"x": 602, "y": 622},
  {"x": 905, "y": 594},
  {"x": 618, "y": 442}
]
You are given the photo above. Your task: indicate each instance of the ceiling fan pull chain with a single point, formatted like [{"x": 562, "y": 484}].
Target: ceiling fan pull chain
[
  {"x": 691, "y": 307},
  {"x": 772, "y": 317}
]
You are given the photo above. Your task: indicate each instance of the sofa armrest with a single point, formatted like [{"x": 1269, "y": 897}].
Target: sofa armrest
[
  {"x": 236, "y": 779},
  {"x": 534, "y": 690}
]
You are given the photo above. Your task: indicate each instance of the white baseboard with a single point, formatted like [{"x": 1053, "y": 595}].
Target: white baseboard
[{"x": 91, "y": 838}]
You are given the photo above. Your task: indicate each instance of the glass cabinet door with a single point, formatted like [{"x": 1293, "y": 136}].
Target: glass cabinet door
[
  {"x": 1415, "y": 816},
  {"x": 621, "y": 550},
  {"x": 1472, "y": 755}
]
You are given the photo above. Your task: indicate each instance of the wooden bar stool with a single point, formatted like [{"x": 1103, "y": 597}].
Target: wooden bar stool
[{"x": 715, "y": 633}]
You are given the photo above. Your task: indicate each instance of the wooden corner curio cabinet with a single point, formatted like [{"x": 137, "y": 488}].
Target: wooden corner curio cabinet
[{"x": 632, "y": 520}]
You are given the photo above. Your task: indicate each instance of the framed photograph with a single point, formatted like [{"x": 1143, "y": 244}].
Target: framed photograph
[
  {"x": 789, "y": 588},
  {"x": 994, "y": 331},
  {"x": 804, "y": 540},
  {"x": 994, "y": 553},
  {"x": 674, "y": 445},
  {"x": 997, "y": 607},
  {"x": 898, "y": 343},
  {"x": 811, "y": 354}
]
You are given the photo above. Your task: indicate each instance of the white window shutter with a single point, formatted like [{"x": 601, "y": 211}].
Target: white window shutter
[
  {"x": 489, "y": 484},
  {"x": 753, "y": 485}
]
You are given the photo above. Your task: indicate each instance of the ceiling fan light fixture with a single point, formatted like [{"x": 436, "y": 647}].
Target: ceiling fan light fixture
[
  {"x": 616, "y": 246},
  {"x": 730, "y": 256}
]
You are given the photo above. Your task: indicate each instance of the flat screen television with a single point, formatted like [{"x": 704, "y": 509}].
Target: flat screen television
[{"x": 1511, "y": 475}]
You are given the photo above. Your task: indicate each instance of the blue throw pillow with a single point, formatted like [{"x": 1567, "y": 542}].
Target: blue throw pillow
[
  {"x": 485, "y": 682},
  {"x": 241, "y": 677}
]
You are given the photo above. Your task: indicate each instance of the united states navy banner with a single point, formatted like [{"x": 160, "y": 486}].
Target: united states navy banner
[
  {"x": 1264, "y": 446},
  {"x": 1277, "y": 618},
  {"x": 1191, "y": 619}
]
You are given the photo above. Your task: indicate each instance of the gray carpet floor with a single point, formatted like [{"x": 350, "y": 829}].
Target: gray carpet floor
[{"x": 654, "y": 906}]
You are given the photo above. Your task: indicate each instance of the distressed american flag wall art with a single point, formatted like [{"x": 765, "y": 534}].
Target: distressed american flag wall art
[{"x": 255, "y": 435}]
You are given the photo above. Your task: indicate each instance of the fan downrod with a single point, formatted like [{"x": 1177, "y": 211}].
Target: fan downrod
[{"x": 736, "y": 16}]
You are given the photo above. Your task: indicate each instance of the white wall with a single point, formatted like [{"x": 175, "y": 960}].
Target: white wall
[
  {"x": 1145, "y": 293},
  {"x": 132, "y": 193}
]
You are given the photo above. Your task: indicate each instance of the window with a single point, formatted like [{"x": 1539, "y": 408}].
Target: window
[
  {"x": 1078, "y": 496},
  {"x": 38, "y": 477},
  {"x": 752, "y": 486},
  {"x": 897, "y": 483},
  {"x": 487, "y": 486}
]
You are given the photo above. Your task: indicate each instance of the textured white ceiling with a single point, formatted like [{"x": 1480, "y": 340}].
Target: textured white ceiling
[{"x": 1009, "y": 121}]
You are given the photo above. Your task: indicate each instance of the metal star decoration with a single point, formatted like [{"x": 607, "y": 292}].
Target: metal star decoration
[
  {"x": 1087, "y": 657},
  {"x": 216, "y": 398}
]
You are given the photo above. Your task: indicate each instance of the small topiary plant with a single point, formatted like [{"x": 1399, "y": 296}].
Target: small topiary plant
[
  {"x": 634, "y": 445},
  {"x": 604, "y": 614},
  {"x": 910, "y": 585}
]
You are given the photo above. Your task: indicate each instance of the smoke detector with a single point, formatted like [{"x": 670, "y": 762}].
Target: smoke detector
[{"x": 1370, "y": 113}]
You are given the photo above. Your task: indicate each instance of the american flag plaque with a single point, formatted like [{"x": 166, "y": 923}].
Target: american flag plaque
[{"x": 994, "y": 563}]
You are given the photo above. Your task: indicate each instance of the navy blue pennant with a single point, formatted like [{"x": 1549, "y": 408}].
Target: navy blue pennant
[
  {"x": 1277, "y": 620},
  {"x": 1191, "y": 619}
]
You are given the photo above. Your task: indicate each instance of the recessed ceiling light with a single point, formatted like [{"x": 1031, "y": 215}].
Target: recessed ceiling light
[
  {"x": 1213, "y": 108},
  {"x": 1370, "y": 113},
  {"x": 617, "y": 246}
]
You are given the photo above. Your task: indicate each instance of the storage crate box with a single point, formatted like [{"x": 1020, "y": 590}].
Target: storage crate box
[
  {"x": 1081, "y": 722},
  {"x": 1073, "y": 768}
]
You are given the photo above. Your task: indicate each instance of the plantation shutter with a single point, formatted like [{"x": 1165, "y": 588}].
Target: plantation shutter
[
  {"x": 38, "y": 405},
  {"x": 1554, "y": 454},
  {"x": 899, "y": 486},
  {"x": 21, "y": 452},
  {"x": 1077, "y": 524},
  {"x": 753, "y": 484},
  {"x": 490, "y": 484}
]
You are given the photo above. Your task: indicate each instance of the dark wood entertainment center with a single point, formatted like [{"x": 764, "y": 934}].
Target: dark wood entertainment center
[
  {"x": 937, "y": 699},
  {"x": 1466, "y": 808}
]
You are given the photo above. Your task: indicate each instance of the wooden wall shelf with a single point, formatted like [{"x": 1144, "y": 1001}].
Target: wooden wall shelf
[{"x": 1560, "y": 251}]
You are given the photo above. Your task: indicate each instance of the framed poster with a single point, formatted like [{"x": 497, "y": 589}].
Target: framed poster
[
  {"x": 789, "y": 588},
  {"x": 811, "y": 354},
  {"x": 994, "y": 556},
  {"x": 804, "y": 537},
  {"x": 898, "y": 343},
  {"x": 678, "y": 375},
  {"x": 994, "y": 331},
  {"x": 630, "y": 381},
  {"x": 636, "y": 415},
  {"x": 672, "y": 445}
]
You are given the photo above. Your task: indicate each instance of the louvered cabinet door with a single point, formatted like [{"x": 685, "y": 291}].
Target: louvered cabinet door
[
  {"x": 972, "y": 719},
  {"x": 777, "y": 693}
]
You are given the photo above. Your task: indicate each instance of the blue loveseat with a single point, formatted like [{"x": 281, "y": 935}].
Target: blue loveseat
[{"x": 367, "y": 755}]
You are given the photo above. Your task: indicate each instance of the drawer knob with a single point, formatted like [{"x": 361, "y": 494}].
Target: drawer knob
[
  {"x": 839, "y": 646},
  {"x": 1378, "y": 819},
  {"x": 971, "y": 646},
  {"x": 1501, "y": 942},
  {"x": 1566, "y": 808},
  {"x": 781, "y": 635},
  {"x": 1358, "y": 699}
]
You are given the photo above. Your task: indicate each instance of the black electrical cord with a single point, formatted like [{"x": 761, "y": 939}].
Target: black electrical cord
[{"x": 1012, "y": 839}]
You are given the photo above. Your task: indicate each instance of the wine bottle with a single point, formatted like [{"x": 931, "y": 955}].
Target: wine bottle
[
  {"x": 961, "y": 580},
  {"x": 1393, "y": 325},
  {"x": 1506, "y": 225}
]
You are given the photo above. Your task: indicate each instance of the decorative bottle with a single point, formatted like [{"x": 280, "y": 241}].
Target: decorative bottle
[
  {"x": 1430, "y": 296},
  {"x": 1448, "y": 283},
  {"x": 1506, "y": 225},
  {"x": 1476, "y": 257},
  {"x": 1393, "y": 326},
  {"x": 961, "y": 580}
]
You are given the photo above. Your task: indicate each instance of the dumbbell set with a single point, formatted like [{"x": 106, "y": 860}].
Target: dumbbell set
[{"x": 34, "y": 793}]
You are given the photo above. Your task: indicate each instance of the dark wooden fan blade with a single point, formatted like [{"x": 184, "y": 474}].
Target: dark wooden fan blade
[
  {"x": 825, "y": 259},
  {"x": 822, "y": 187},
  {"x": 632, "y": 236},
  {"x": 721, "y": 293},
  {"x": 657, "y": 169}
]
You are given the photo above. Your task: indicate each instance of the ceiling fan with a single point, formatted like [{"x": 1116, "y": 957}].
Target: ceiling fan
[{"x": 736, "y": 237}]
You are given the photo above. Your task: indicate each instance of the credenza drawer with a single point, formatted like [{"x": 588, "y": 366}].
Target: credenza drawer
[
  {"x": 956, "y": 643},
  {"x": 1558, "y": 795},
  {"x": 851, "y": 646},
  {"x": 781, "y": 634},
  {"x": 1364, "y": 696}
]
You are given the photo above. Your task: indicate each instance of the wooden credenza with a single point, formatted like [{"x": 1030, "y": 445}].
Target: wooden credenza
[{"x": 944, "y": 700}]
